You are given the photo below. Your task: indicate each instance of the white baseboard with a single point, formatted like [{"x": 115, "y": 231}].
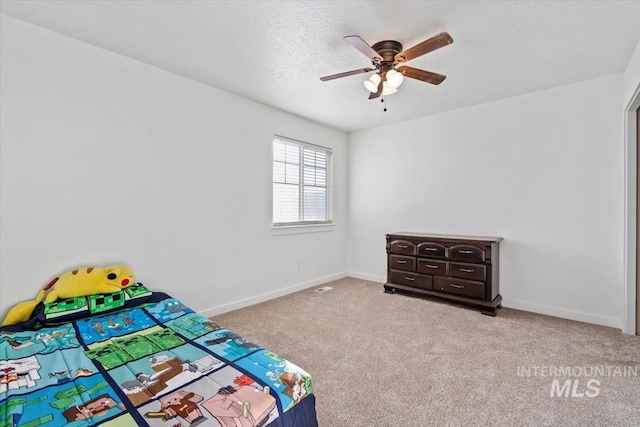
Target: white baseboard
[
  {"x": 509, "y": 303},
  {"x": 526, "y": 306},
  {"x": 564, "y": 313},
  {"x": 219, "y": 309},
  {"x": 370, "y": 277}
]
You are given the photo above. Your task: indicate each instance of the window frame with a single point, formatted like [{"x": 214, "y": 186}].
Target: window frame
[{"x": 310, "y": 225}]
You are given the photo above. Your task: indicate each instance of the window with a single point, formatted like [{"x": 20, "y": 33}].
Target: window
[{"x": 301, "y": 183}]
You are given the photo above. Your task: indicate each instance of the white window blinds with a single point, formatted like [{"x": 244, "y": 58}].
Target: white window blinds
[{"x": 301, "y": 183}]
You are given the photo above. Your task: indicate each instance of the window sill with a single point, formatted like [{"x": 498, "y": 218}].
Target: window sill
[{"x": 297, "y": 229}]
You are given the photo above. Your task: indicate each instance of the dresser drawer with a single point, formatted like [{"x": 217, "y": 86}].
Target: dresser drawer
[
  {"x": 468, "y": 271},
  {"x": 429, "y": 266},
  {"x": 466, "y": 253},
  {"x": 465, "y": 288},
  {"x": 399, "y": 262},
  {"x": 432, "y": 250},
  {"x": 412, "y": 279},
  {"x": 402, "y": 247}
]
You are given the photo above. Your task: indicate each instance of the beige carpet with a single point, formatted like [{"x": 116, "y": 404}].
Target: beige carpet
[{"x": 396, "y": 360}]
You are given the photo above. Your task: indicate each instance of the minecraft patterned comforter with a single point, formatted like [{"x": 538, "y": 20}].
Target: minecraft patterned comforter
[{"x": 137, "y": 358}]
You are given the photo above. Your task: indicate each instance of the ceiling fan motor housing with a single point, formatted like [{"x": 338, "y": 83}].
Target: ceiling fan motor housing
[{"x": 388, "y": 49}]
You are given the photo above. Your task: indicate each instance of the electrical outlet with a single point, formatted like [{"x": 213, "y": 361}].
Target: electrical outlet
[{"x": 298, "y": 264}]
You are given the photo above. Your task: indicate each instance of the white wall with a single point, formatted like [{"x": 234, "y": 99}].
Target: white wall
[
  {"x": 543, "y": 170},
  {"x": 632, "y": 75},
  {"x": 108, "y": 160}
]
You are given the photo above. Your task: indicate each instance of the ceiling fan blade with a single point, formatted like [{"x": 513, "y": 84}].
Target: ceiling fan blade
[
  {"x": 374, "y": 95},
  {"x": 429, "y": 45},
  {"x": 425, "y": 76},
  {"x": 363, "y": 47},
  {"x": 345, "y": 74}
]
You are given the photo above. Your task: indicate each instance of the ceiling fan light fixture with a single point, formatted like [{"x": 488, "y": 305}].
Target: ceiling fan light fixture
[
  {"x": 388, "y": 90},
  {"x": 372, "y": 83},
  {"x": 394, "y": 79}
]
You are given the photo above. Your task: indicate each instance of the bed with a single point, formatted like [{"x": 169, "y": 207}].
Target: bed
[{"x": 141, "y": 358}]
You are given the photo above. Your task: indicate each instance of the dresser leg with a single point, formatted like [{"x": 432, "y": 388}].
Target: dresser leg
[
  {"x": 388, "y": 290},
  {"x": 489, "y": 312}
]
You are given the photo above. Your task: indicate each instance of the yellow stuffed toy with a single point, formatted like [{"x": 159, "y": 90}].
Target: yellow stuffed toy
[{"x": 76, "y": 283}]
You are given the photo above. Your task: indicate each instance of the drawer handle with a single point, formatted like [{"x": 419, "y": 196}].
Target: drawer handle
[
  {"x": 430, "y": 249},
  {"x": 456, "y": 286},
  {"x": 401, "y": 261},
  {"x": 409, "y": 278},
  {"x": 466, "y": 270},
  {"x": 403, "y": 246},
  {"x": 466, "y": 252},
  {"x": 431, "y": 266}
]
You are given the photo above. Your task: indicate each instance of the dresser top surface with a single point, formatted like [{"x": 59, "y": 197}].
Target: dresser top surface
[{"x": 446, "y": 236}]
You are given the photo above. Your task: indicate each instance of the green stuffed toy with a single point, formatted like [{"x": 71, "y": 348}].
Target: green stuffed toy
[{"x": 76, "y": 283}]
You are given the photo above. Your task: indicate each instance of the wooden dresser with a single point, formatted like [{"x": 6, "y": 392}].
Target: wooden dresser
[{"x": 463, "y": 269}]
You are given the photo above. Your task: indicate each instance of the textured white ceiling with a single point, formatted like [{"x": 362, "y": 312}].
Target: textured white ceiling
[{"x": 274, "y": 52}]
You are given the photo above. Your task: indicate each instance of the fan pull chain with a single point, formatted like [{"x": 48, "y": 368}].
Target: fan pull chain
[{"x": 384, "y": 100}]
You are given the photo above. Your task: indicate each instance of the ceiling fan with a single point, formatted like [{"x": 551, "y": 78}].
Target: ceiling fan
[{"x": 385, "y": 55}]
